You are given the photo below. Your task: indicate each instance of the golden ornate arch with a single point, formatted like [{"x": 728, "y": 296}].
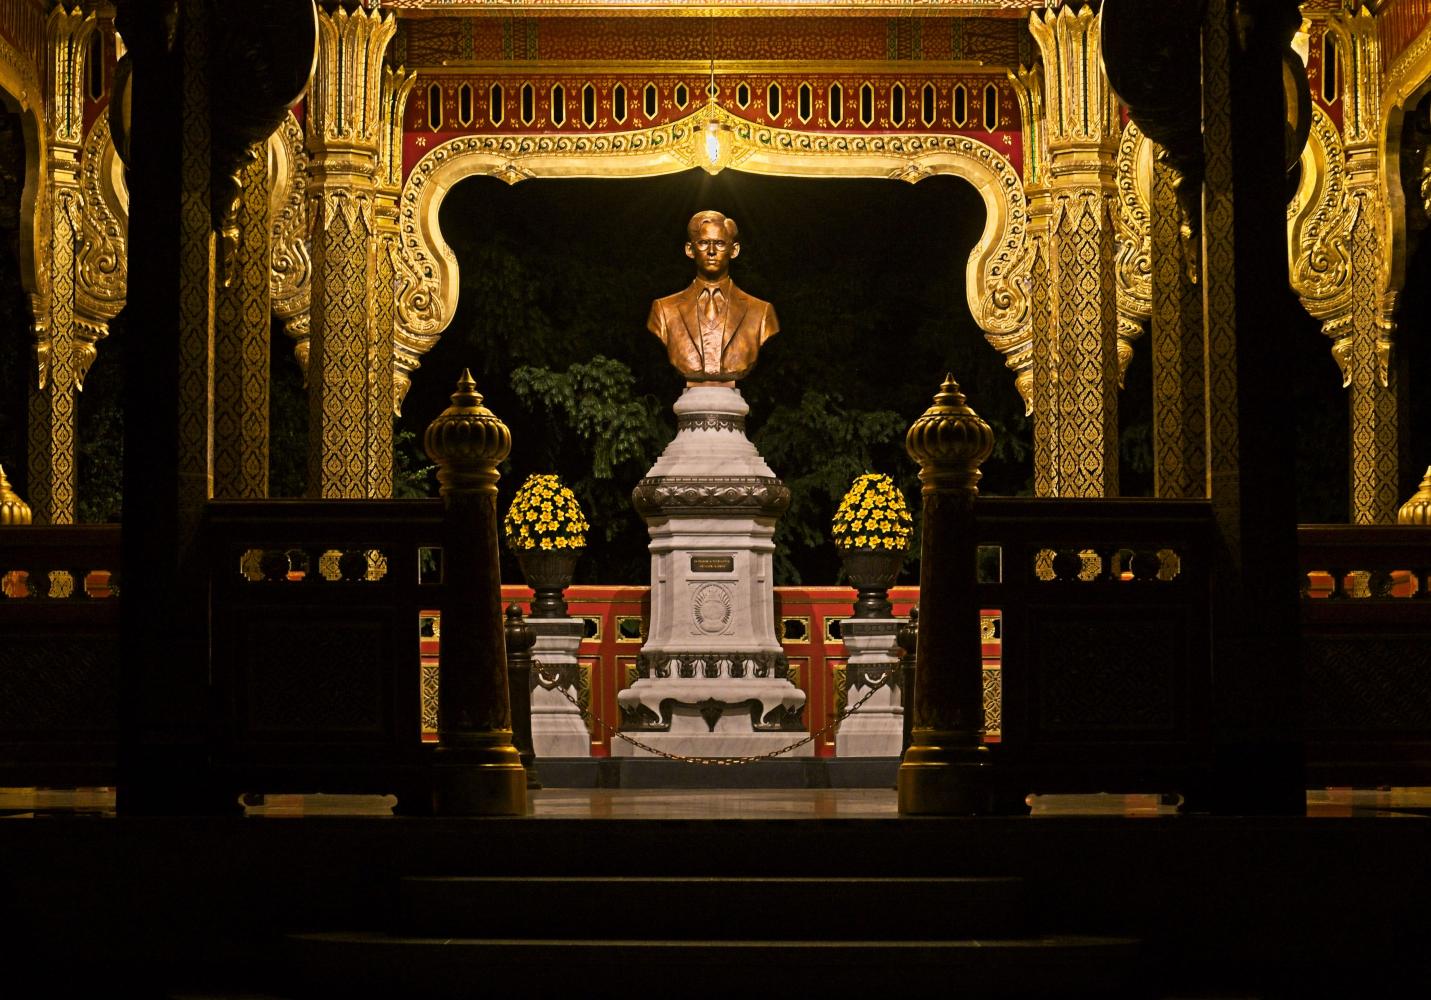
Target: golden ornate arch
[{"x": 427, "y": 268}]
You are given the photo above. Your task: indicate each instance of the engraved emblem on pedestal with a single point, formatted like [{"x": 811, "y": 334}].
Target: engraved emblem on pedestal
[{"x": 711, "y": 609}]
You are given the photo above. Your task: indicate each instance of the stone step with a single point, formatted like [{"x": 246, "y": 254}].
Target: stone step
[
  {"x": 685, "y": 908},
  {"x": 372, "y": 964}
]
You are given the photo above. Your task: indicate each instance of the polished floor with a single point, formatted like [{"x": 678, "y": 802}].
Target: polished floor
[{"x": 686, "y": 803}]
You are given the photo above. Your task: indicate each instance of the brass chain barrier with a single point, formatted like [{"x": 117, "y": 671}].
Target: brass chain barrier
[{"x": 611, "y": 731}]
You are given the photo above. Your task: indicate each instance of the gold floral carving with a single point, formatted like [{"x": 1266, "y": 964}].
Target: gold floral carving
[
  {"x": 397, "y": 85},
  {"x": 1018, "y": 347},
  {"x": 427, "y": 272},
  {"x": 1319, "y": 226},
  {"x": 102, "y": 258},
  {"x": 1133, "y": 241},
  {"x": 291, "y": 273}
]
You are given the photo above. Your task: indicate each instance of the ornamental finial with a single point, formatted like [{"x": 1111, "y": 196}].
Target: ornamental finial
[
  {"x": 467, "y": 440},
  {"x": 949, "y": 441},
  {"x": 1417, "y": 510},
  {"x": 13, "y": 510}
]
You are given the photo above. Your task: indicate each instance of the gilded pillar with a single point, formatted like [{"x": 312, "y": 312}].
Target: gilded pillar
[
  {"x": 1082, "y": 132},
  {"x": 241, "y": 332},
  {"x": 1179, "y": 455},
  {"x": 348, "y": 422},
  {"x": 63, "y": 348},
  {"x": 196, "y": 281},
  {"x": 389, "y": 377},
  {"x": 1220, "y": 276},
  {"x": 1363, "y": 346},
  {"x": 1036, "y": 365}
]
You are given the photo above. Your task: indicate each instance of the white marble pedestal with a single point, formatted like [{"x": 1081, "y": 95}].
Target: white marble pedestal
[
  {"x": 877, "y": 728},
  {"x": 713, "y": 676},
  {"x": 557, "y": 726}
]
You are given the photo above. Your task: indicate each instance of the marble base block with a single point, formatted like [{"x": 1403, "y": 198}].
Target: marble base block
[
  {"x": 557, "y": 726},
  {"x": 711, "y": 669},
  {"x": 877, "y": 728}
]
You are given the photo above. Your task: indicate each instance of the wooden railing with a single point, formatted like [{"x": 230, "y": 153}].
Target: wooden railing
[
  {"x": 59, "y": 655},
  {"x": 1104, "y": 608},
  {"x": 1102, "y": 615},
  {"x": 1366, "y": 650}
]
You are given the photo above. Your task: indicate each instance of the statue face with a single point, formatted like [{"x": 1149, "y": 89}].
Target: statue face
[{"x": 712, "y": 251}]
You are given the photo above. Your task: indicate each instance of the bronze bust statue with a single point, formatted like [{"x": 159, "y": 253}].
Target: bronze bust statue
[{"x": 712, "y": 330}]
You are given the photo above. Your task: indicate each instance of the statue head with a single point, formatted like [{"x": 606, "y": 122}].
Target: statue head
[{"x": 712, "y": 241}]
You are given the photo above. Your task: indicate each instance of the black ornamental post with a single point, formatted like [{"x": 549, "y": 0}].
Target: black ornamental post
[
  {"x": 520, "y": 640},
  {"x": 945, "y": 770},
  {"x": 477, "y": 771}
]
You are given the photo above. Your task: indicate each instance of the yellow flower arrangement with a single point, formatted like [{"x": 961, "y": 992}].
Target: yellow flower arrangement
[
  {"x": 873, "y": 515},
  {"x": 545, "y": 515}
]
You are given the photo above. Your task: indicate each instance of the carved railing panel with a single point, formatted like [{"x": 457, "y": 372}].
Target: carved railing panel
[
  {"x": 59, "y": 656},
  {"x": 1366, "y": 651},
  {"x": 317, "y": 664},
  {"x": 1104, "y": 617}
]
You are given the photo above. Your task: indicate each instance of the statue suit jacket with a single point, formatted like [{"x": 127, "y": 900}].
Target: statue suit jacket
[{"x": 749, "y": 322}]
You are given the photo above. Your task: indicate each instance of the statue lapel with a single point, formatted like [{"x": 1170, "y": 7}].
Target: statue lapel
[
  {"x": 687, "y": 309},
  {"x": 734, "y": 316}
]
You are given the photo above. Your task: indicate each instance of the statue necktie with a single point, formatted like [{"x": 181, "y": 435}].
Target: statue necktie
[{"x": 712, "y": 301}]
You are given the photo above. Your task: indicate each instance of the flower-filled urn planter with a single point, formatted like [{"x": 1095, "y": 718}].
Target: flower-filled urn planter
[
  {"x": 546, "y": 530},
  {"x": 872, "y": 530}
]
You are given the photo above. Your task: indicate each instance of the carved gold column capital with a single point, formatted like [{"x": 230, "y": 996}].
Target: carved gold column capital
[
  {"x": 1082, "y": 111},
  {"x": 1361, "y": 81},
  {"x": 67, "y": 36},
  {"x": 345, "y": 120}
]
